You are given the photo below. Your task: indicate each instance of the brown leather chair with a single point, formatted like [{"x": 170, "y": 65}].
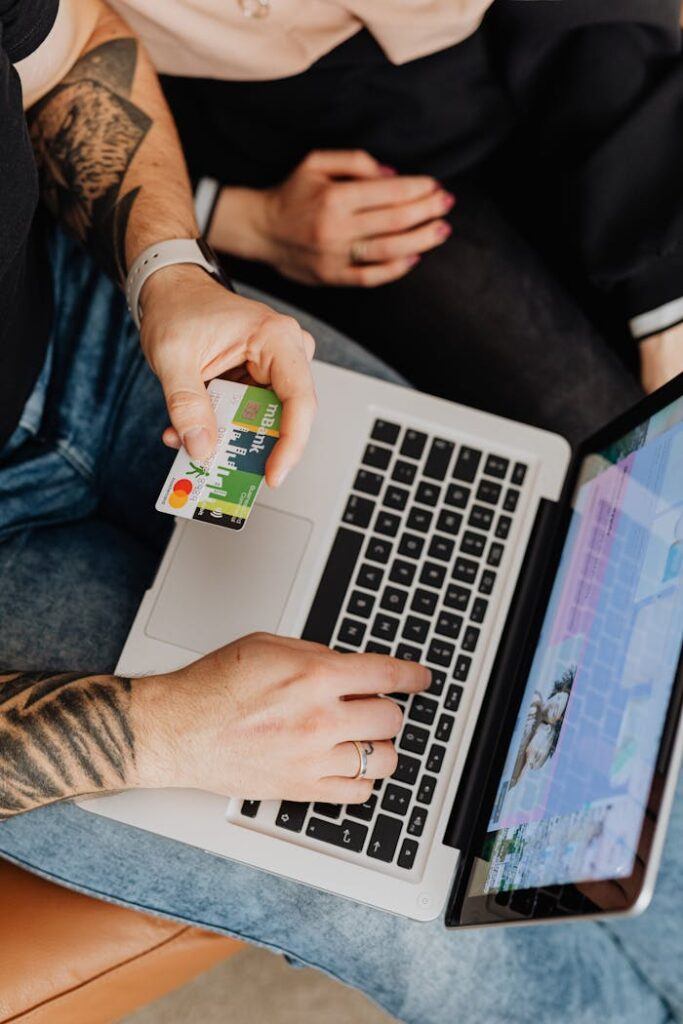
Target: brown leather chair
[{"x": 70, "y": 959}]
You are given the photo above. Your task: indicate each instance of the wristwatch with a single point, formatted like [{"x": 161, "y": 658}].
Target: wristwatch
[{"x": 167, "y": 254}]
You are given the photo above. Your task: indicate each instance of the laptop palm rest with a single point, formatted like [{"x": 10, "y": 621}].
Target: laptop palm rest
[{"x": 222, "y": 584}]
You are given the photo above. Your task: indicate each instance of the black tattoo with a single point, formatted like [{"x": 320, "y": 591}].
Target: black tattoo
[
  {"x": 62, "y": 735},
  {"x": 86, "y": 132}
]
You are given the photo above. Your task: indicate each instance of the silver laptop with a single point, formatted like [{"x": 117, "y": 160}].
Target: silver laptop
[{"x": 544, "y": 589}]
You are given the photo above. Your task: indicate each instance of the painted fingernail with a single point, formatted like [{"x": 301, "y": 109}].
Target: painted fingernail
[
  {"x": 443, "y": 230},
  {"x": 448, "y": 200},
  {"x": 196, "y": 441},
  {"x": 386, "y": 170}
]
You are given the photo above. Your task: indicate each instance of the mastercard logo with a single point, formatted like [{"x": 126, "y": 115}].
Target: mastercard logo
[{"x": 180, "y": 493}]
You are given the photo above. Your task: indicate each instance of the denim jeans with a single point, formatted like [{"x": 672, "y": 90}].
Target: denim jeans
[{"x": 79, "y": 541}]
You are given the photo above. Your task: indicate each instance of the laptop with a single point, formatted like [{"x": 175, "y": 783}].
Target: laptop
[{"x": 543, "y": 588}]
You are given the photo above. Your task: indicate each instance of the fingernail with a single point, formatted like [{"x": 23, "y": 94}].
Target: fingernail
[
  {"x": 196, "y": 441},
  {"x": 387, "y": 171},
  {"x": 448, "y": 200},
  {"x": 413, "y": 260},
  {"x": 280, "y": 477},
  {"x": 444, "y": 230}
]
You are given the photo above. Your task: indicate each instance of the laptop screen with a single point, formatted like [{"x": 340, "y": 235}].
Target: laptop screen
[{"x": 573, "y": 793}]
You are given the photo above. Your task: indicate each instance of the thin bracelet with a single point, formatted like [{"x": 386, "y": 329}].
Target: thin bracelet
[{"x": 206, "y": 198}]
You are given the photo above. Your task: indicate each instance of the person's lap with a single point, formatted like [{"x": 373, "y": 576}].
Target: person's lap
[{"x": 71, "y": 588}]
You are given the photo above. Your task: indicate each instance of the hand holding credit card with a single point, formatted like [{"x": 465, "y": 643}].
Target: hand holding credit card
[{"x": 221, "y": 490}]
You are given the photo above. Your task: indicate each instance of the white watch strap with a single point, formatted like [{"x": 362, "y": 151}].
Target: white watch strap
[
  {"x": 156, "y": 257},
  {"x": 205, "y": 199}
]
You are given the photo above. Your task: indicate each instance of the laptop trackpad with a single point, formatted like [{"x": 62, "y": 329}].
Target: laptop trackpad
[{"x": 223, "y": 584}]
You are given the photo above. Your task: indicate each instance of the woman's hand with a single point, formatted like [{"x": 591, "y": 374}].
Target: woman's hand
[
  {"x": 661, "y": 358},
  {"x": 341, "y": 218},
  {"x": 269, "y": 717},
  {"x": 194, "y": 329}
]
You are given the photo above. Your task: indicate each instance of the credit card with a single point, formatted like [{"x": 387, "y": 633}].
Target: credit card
[{"x": 222, "y": 490}]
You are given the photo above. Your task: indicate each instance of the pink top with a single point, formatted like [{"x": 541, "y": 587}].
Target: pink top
[{"x": 216, "y": 39}]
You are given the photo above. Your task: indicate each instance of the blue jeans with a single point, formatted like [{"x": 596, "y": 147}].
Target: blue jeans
[{"x": 79, "y": 541}]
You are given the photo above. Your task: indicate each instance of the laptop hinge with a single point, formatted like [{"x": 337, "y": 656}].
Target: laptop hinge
[{"x": 516, "y": 647}]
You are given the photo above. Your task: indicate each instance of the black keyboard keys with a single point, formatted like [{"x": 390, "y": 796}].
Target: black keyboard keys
[
  {"x": 478, "y": 612},
  {"x": 435, "y": 758},
  {"x": 444, "y": 728},
  {"x": 378, "y": 550},
  {"x": 440, "y": 652},
  {"x": 411, "y": 545},
  {"x": 518, "y": 474},
  {"x": 414, "y": 739},
  {"x": 449, "y": 522},
  {"x": 423, "y": 710},
  {"x": 291, "y": 815},
  {"x": 406, "y": 652},
  {"x": 394, "y": 600},
  {"x": 363, "y": 811},
  {"x": 350, "y": 835},
  {"x": 406, "y": 857},
  {"x": 396, "y": 498},
  {"x": 433, "y": 574},
  {"x": 488, "y": 578},
  {"x": 418, "y": 819},
  {"x": 402, "y": 572},
  {"x": 469, "y": 639},
  {"x": 503, "y": 527},
  {"x": 473, "y": 543},
  {"x": 404, "y": 472},
  {"x": 386, "y": 523},
  {"x": 419, "y": 519},
  {"x": 384, "y": 838},
  {"x": 465, "y": 570},
  {"x": 466, "y": 464},
  {"x": 495, "y": 555},
  {"x": 481, "y": 517},
  {"x": 329, "y": 810},
  {"x": 488, "y": 492},
  {"x": 358, "y": 511},
  {"x": 413, "y": 444},
  {"x": 437, "y": 684},
  {"x": 384, "y": 627},
  {"x": 427, "y": 493},
  {"x": 438, "y": 459},
  {"x": 511, "y": 499},
  {"x": 426, "y": 789},
  {"x": 368, "y": 482},
  {"x": 351, "y": 632},
  {"x": 360, "y": 604},
  {"x": 415, "y": 629},
  {"x": 250, "y": 808},
  {"x": 462, "y": 668},
  {"x": 441, "y": 547},
  {"x": 453, "y": 697},
  {"x": 449, "y": 625},
  {"x": 457, "y": 495},
  {"x": 407, "y": 770},
  {"x": 496, "y": 466},
  {"x": 385, "y": 432},
  {"x": 369, "y": 576},
  {"x": 396, "y": 799},
  {"x": 424, "y": 601},
  {"x": 376, "y": 456},
  {"x": 457, "y": 597}
]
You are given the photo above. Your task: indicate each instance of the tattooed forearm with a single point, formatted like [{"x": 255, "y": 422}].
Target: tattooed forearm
[
  {"x": 62, "y": 735},
  {"x": 86, "y": 132}
]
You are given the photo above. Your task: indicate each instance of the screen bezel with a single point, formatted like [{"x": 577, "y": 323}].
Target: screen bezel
[{"x": 620, "y": 895}]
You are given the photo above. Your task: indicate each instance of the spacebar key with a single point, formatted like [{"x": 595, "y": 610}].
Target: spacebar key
[
  {"x": 349, "y": 834},
  {"x": 334, "y": 582}
]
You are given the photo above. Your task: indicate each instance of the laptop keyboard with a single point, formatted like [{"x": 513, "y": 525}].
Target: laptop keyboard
[{"x": 411, "y": 571}]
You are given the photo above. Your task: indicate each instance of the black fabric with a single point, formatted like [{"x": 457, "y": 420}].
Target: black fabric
[
  {"x": 569, "y": 112},
  {"x": 25, "y": 283}
]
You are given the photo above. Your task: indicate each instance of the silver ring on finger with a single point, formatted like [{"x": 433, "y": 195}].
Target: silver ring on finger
[
  {"x": 357, "y": 253},
  {"x": 364, "y": 750}
]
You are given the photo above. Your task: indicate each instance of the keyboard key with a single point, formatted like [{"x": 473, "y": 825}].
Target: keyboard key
[
  {"x": 385, "y": 431},
  {"x": 396, "y": 799},
  {"x": 457, "y": 496},
  {"x": 378, "y": 550},
  {"x": 343, "y": 650},
  {"x": 440, "y": 652},
  {"x": 406, "y": 652},
  {"x": 351, "y": 632},
  {"x": 402, "y": 697},
  {"x": 411, "y": 545},
  {"x": 453, "y": 697},
  {"x": 291, "y": 815},
  {"x": 441, "y": 547},
  {"x": 418, "y": 820},
  {"x": 387, "y": 523},
  {"x": 385, "y": 627},
  {"x": 496, "y": 466},
  {"x": 462, "y": 667},
  {"x": 376, "y": 456},
  {"x": 465, "y": 570},
  {"x": 424, "y": 601},
  {"x": 511, "y": 499},
  {"x": 433, "y": 574},
  {"x": 329, "y": 810},
  {"x": 419, "y": 519},
  {"x": 423, "y": 710},
  {"x": 466, "y": 464},
  {"x": 438, "y": 459},
  {"x": 457, "y": 597},
  {"x": 407, "y": 770},
  {"x": 488, "y": 492},
  {"x": 367, "y": 482},
  {"x": 444, "y": 728},
  {"x": 435, "y": 758},
  {"x": 495, "y": 555},
  {"x": 414, "y": 739},
  {"x": 481, "y": 517},
  {"x": 372, "y": 647},
  {"x": 479, "y": 610},
  {"x": 427, "y": 493},
  {"x": 415, "y": 629},
  {"x": 360, "y": 604},
  {"x": 449, "y": 522},
  {"x": 394, "y": 600},
  {"x": 473, "y": 543},
  {"x": 358, "y": 511},
  {"x": 250, "y": 808},
  {"x": 406, "y": 857},
  {"x": 426, "y": 790},
  {"x": 396, "y": 497},
  {"x": 487, "y": 581},
  {"x": 363, "y": 811},
  {"x": 437, "y": 684},
  {"x": 369, "y": 576},
  {"x": 518, "y": 474},
  {"x": 384, "y": 838},
  {"x": 404, "y": 472},
  {"x": 402, "y": 572},
  {"x": 469, "y": 639},
  {"x": 413, "y": 444},
  {"x": 350, "y": 834},
  {"x": 448, "y": 625},
  {"x": 503, "y": 527}
]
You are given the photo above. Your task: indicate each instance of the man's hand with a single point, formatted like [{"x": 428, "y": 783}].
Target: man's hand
[
  {"x": 341, "y": 218},
  {"x": 661, "y": 358},
  {"x": 272, "y": 718},
  {"x": 193, "y": 329}
]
